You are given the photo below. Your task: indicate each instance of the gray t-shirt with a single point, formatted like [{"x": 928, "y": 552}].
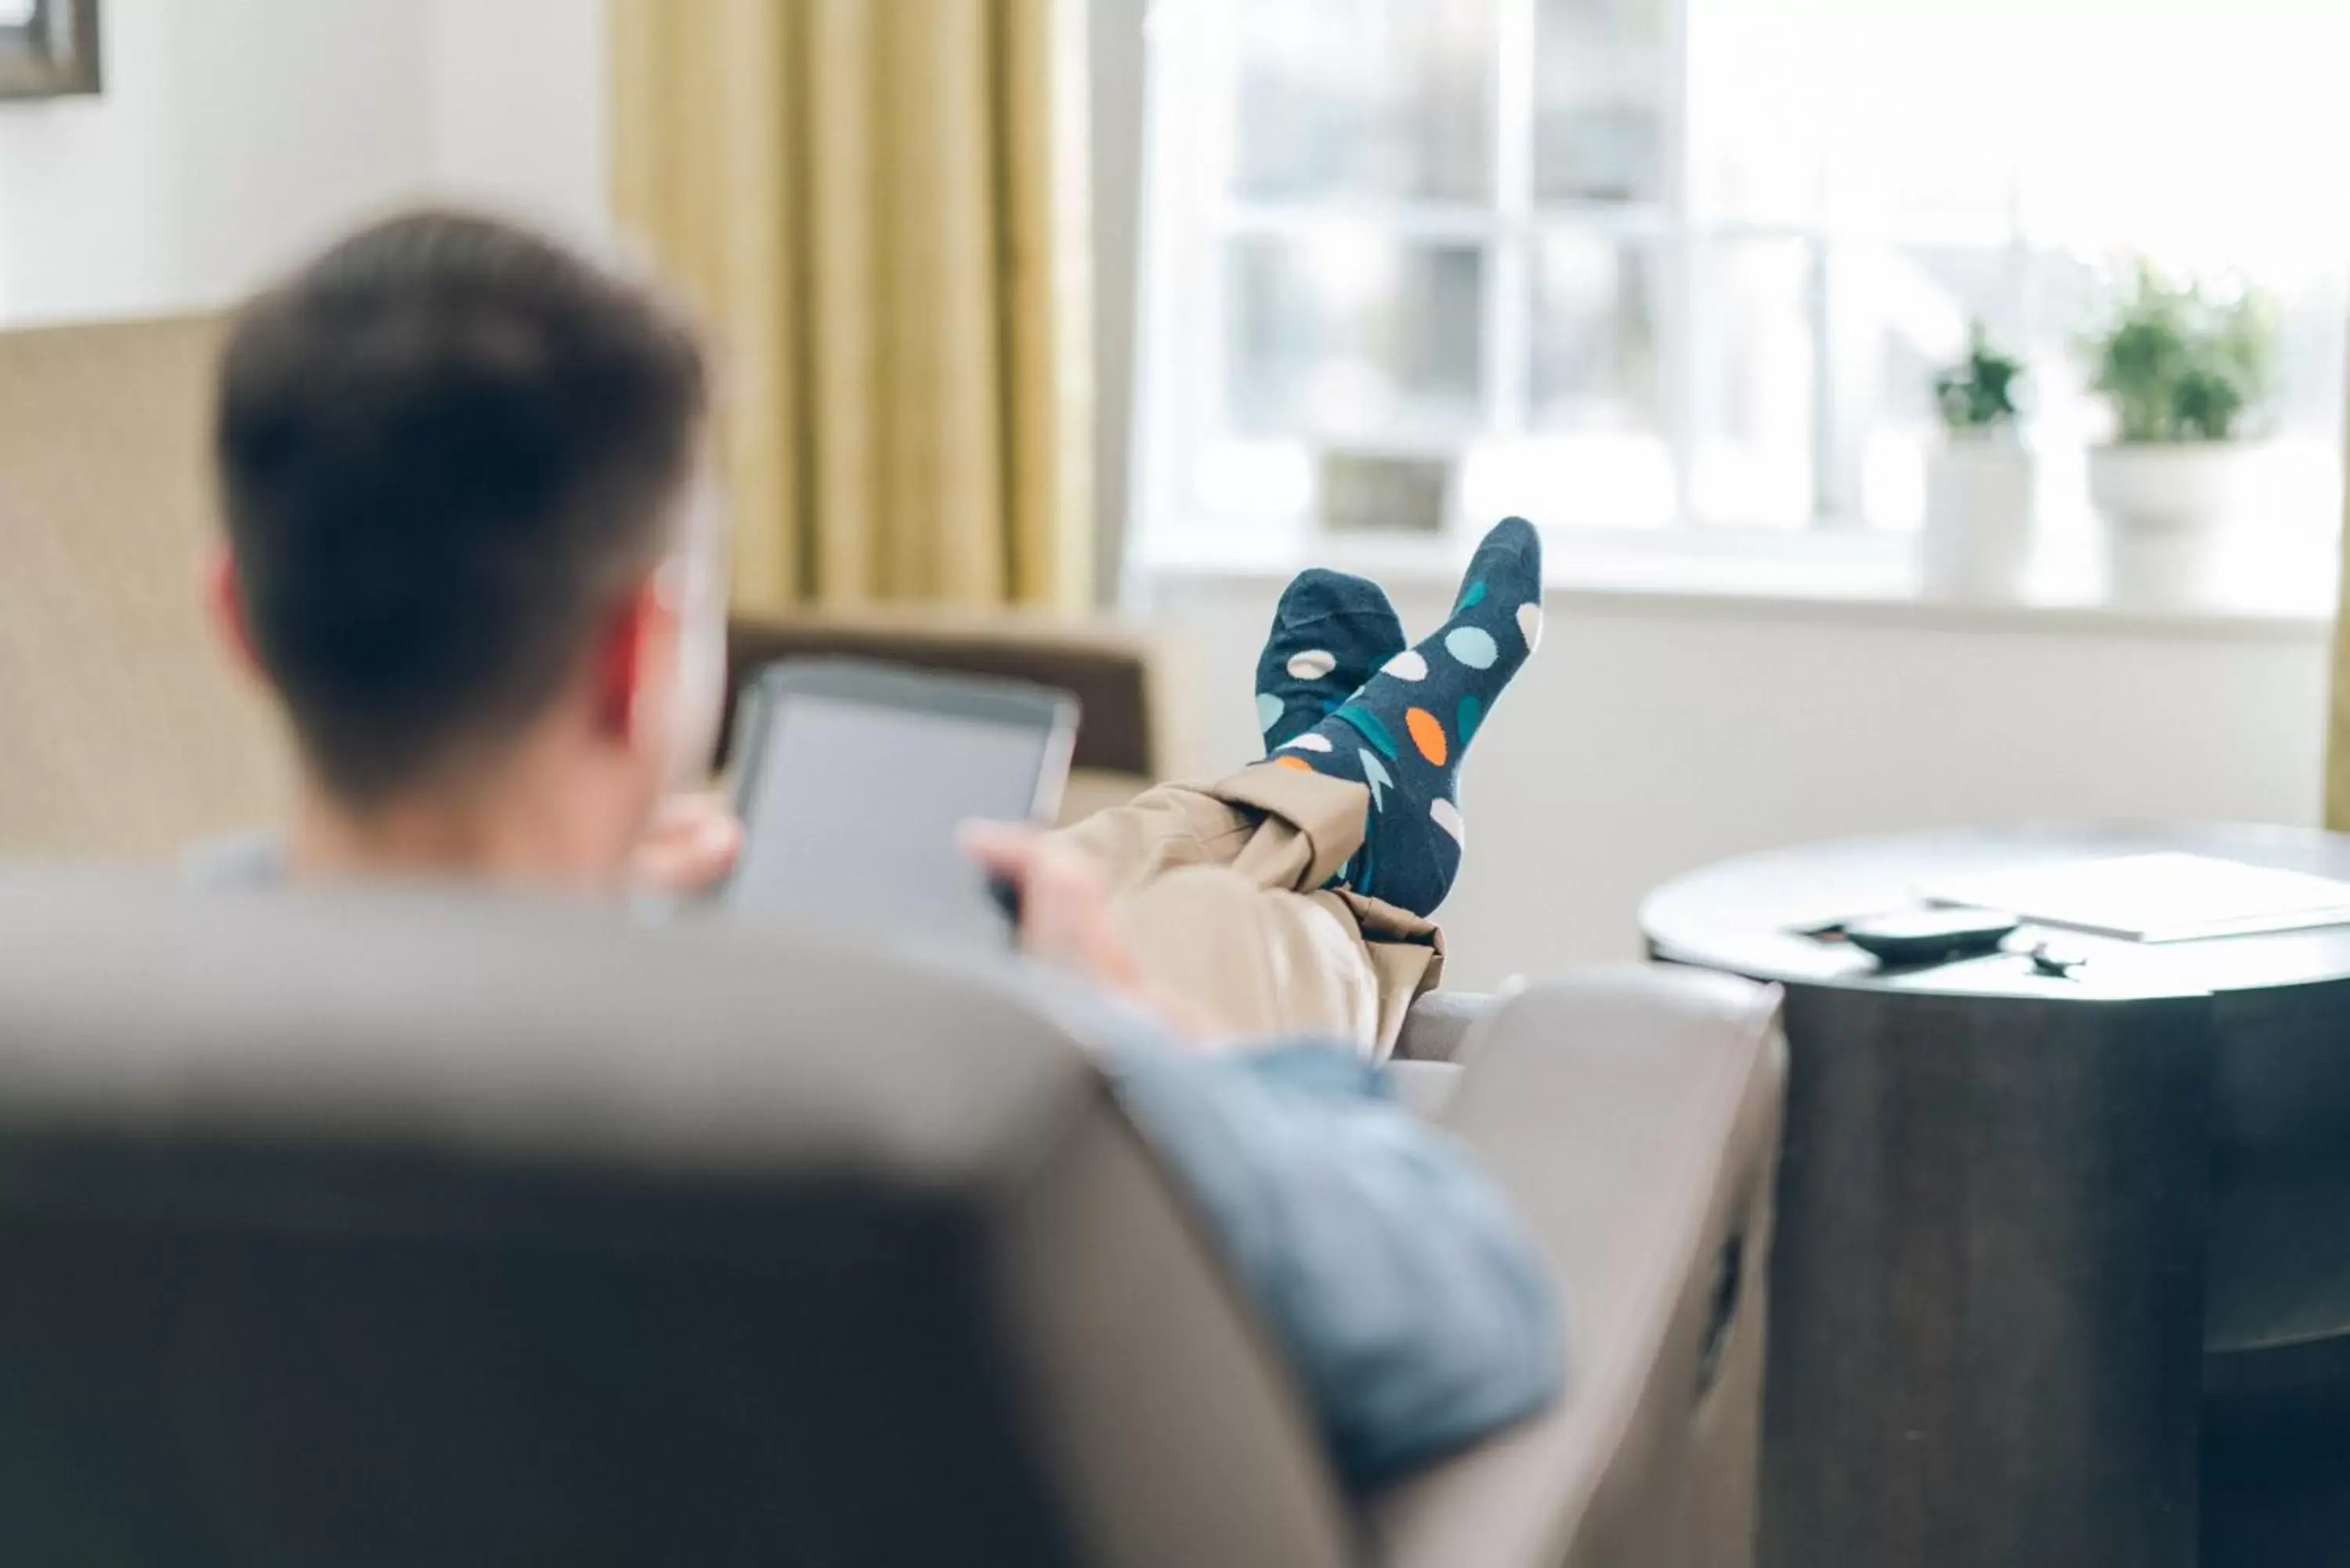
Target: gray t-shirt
[{"x": 254, "y": 858}]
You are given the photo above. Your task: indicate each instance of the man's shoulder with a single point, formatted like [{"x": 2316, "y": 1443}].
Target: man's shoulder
[{"x": 256, "y": 858}]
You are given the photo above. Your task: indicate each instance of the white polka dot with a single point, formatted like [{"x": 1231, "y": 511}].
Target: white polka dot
[
  {"x": 1308, "y": 742},
  {"x": 1530, "y": 622},
  {"x": 1447, "y": 817},
  {"x": 1406, "y": 666},
  {"x": 1313, "y": 664},
  {"x": 1269, "y": 710}
]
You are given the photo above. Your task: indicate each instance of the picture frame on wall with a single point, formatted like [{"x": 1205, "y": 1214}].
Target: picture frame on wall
[{"x": 48, "y": 49}]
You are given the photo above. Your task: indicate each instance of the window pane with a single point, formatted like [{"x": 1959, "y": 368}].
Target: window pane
[
  {"x": 1761, "y": 110},
  {"x": 1906, "y": 310},
  {"x": 1354, "y": 336},
  {"x": 1947, "y": 116},
  {"x": 1603, "y": 75},
  {"x": 1595, "y": 335},
  {"x": 1895, "y": 113},
  {"x": 1753, "y": 406},
  {"x": 1374, "y": 99},
  {"x": 1594, "y": 389}
]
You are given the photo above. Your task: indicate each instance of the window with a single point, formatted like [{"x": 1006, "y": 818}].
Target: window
[{"x": 1691, "y": 263}]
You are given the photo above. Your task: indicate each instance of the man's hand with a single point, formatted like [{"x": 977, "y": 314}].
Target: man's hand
[
  {"x": 1067, "y": 920},
  {"x": 689, "y": 846}
]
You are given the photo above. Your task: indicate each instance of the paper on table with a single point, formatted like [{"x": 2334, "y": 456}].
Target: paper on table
[{"x": 2159, "y": 898}]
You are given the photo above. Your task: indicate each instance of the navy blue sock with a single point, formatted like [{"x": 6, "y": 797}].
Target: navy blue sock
[
  {"x": 1330, "y": 633},
  {"x": 1404, "y": 733}
]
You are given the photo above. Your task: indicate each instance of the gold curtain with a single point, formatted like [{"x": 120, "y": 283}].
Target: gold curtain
[{"x": 878, "y": 205}]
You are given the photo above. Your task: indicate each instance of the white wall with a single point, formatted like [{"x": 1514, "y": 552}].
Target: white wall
[
  {"x": 235, "y": 135},
  {"x": 521, "y": 96},
  {"x": 1650, "y": 736}
]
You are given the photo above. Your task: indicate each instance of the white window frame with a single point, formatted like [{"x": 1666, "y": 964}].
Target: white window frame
[
  {"x": 1195, "y": 120},
  {"x": 1191, "y": 214}
]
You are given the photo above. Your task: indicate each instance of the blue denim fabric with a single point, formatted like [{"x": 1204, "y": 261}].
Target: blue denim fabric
[{"x": 1415, "y": 1309}]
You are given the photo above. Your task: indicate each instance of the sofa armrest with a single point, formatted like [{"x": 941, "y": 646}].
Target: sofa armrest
[
  {"x": 1439, "y": 1024},
  {"x": 1633, "y": 1115}
]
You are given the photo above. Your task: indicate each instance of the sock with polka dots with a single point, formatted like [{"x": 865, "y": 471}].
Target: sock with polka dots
[
  {"x": 1405, "y": 733},
  {"x": 1330, "y": 633}
]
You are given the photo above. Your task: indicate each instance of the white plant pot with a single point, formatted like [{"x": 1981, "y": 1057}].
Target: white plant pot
[
  {"x": 2166, "y": 509},
  {"x": 1979, "y": 508}
]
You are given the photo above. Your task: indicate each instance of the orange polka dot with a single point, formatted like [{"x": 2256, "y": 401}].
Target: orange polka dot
[
  {"x": 1295, "y": 765},
  {"x": 1426, "y": 733}
]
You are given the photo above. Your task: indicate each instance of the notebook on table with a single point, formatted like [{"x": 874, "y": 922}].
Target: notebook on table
[{"x": 2167, "y": 897}]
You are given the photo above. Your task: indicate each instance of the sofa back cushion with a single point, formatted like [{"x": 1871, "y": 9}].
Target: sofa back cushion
[
  {"x": 407, "y": 1230},
  {"x": 123, "y": 730}
]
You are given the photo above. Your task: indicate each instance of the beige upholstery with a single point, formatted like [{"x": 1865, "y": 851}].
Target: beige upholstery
[
  {"x": 1633, "y": 1114},
  {"x": 404, "y": 1230},
  {"x": 126, "y": 732}
]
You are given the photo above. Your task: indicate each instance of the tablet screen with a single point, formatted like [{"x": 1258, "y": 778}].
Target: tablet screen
[{"x": 854, "y": 808}]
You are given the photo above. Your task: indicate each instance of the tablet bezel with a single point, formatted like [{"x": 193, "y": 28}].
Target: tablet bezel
[{"x": 904, "y": 689}]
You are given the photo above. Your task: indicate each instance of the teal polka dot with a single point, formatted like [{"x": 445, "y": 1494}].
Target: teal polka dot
[
  {"x": 1472, "y": 645},
  {"x": 1368, "y": 722},
  {"x": 1268, "y": 711},
  {"x": 1472, "y": 714}
]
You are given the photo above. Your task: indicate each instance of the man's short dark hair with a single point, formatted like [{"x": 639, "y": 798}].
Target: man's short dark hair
[{"x": 445, "y": 447}]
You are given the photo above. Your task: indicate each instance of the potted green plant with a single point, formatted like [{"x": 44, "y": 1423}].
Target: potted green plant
[
  {"x": 2187, "y": 369},
  {"x": 1981, "y": 481}
]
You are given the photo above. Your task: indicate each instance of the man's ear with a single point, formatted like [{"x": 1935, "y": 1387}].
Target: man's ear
[
  {"x": 225, "y": 608},
  {"x": 633, "y": 649}
]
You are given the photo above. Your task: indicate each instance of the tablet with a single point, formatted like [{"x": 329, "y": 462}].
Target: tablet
[{"x": 853, "y": 779}]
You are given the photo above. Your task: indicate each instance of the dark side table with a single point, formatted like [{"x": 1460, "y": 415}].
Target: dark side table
[{"x": 2062, "y": 1267}]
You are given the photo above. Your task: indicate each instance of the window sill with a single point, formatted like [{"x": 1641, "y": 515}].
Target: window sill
[{"x": 2284, "y": 590}]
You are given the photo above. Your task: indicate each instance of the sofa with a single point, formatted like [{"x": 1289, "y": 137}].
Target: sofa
[
  {"x": 399, "y": 1228},
  {"x": 129, "y": 734}
]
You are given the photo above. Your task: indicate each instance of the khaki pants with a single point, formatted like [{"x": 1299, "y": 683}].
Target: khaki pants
[{"x": 1221, "y": 886}]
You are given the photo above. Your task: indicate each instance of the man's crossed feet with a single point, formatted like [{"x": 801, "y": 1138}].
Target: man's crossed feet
[{"x": 1404, "y": 724}]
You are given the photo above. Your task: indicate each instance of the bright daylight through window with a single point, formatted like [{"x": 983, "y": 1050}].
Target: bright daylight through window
[{"x": 1651, "y": 264}]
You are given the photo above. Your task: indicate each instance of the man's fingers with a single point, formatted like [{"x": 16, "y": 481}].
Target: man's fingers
[
  {"x": 1005, "y": 849},
  {"x": 1056, "y": 880},
  {"x": 707, "y": 849},
  {"x": 692, "y": 844}
]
